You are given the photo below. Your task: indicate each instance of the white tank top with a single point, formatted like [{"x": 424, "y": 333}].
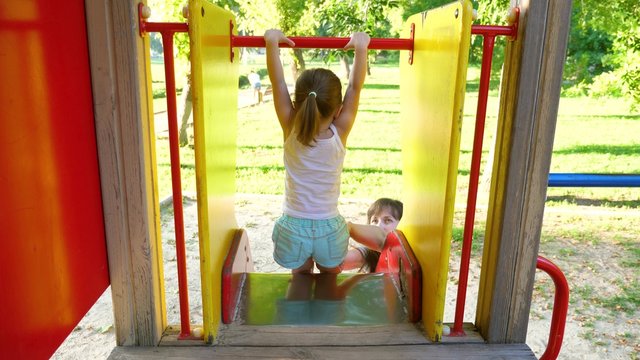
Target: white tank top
[{"x": 312, "y": 182}]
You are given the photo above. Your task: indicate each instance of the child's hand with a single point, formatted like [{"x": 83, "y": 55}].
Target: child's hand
[
  {"x": 359, "y": 40},
  {"x": 275, "y": 36}
]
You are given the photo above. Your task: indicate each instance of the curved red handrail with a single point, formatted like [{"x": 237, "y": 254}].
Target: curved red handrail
[{"x": 560, "y": 307}]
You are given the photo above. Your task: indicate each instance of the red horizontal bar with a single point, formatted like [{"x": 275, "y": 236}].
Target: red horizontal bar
[
  {"x": 162, "y": 27},
  {"x": 325, "y": 43},
  {"x": 493, "y": 30}
]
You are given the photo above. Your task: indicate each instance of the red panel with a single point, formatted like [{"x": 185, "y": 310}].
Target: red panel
[
  {"x": 53, "y": 262},
  {"x": 398, "y": 258},
  {"x": 236, "y": 266}
]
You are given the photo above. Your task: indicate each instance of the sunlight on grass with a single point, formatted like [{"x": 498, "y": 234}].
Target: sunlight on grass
[{"x": 592, "y": 136}]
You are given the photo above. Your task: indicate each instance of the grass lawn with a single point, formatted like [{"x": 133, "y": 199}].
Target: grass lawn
[{"x": 592, "y": 136}]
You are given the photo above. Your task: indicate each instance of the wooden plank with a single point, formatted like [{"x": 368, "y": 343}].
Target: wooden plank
[
  {"x": 243, "y": 335},
  {"x": 171, "y": 335},
  {"x": 532, "y": 75},
  {"x": 122, "y": 109},
  {"x": 425, "y": 351},
  {"x": 390, "y": 334},
  {"x": 471, "y": 335}
]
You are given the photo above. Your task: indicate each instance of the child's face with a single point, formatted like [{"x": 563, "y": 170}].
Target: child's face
[{"x": 385, "y": 221}]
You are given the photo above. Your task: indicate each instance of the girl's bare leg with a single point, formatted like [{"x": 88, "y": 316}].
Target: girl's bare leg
[
  {"x": 306, "y": 268},
  {"x": 333, "y": 270}
]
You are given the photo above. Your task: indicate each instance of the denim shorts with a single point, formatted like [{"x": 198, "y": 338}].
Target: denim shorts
[{"x": 296, "y": 240}]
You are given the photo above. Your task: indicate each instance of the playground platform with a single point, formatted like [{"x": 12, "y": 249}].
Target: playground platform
[
  {"x": 449, "y": 351},
  {"x": 316, "y": 316}
]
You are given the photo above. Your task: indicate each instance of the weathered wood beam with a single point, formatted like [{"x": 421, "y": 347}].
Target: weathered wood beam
[
  {"x": 529, "y": 100},
  {"x": 125, "y": 138}
]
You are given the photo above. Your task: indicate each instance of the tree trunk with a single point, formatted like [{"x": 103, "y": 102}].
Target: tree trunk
[
  {"x": 344, "y": 60},
  {"x": 185, "y": 99},
  {"x": 297, "y": 65}
]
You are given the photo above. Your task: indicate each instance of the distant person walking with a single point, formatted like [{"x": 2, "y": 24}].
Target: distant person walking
[{"x": 254, "y": 79}]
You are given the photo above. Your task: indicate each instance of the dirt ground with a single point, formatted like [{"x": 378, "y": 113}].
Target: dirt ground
[{"x": 588, "y": 335}]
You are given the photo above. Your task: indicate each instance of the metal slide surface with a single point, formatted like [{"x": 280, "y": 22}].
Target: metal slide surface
[{"x": 320, "y": 299}]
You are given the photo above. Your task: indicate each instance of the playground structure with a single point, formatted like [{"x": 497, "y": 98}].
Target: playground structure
[{"x": 124, "y": 139}]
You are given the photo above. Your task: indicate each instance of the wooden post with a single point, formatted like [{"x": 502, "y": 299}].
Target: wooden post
[
  {"x": 125, "y": 137},
  {"x": 526, "y": 126}
]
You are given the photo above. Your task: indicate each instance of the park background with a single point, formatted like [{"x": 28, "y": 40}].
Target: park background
[{"x": 592, "y": 234}]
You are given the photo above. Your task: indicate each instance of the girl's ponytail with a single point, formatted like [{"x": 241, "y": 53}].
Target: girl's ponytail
[
  {"x": 307, "y": 120},
  {"x": 318, "y": 96}
]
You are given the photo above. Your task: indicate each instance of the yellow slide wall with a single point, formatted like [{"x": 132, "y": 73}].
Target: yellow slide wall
[
  {"x": 432, "y": 95},
  {"x": 215, "y": 111}
]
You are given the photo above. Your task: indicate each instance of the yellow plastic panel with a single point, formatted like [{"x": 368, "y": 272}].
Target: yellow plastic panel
[
  {"x": 215, "y": 99},
  {"x": 432, "y": 96}
]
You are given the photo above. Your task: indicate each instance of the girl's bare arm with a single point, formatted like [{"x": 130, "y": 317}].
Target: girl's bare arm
[
  {"x": 281, "y": 97},
  {"x": 370, "y": 236},
  {"x": 344, "y": 122}
]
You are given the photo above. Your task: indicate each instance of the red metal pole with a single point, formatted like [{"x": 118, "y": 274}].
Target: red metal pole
[
  {"x": 492, "y": 30},
  {"x": 560, "y": 307},
  {"x": 176, "y": 182},
  {"x": 325, "y": 43},
  {"x": 485, "y": 75},
  {"x": 163, "y": 27}
]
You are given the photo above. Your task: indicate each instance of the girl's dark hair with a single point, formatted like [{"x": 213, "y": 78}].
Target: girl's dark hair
[
  {"x": 394, "y": 206},
  {"x": 311, "y": 109},
  {"x": 370, "y": 261}
]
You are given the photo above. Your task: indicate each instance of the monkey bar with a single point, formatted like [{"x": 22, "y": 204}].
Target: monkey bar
[
  {"x": 593, "y": 180},
  {"x": 324, "y": 43}
]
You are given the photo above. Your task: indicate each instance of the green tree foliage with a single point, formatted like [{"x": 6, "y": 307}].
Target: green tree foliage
[
  {"x": 585, "y": 53},
  {"x": 342, "y": 18},
  {"x": 490, "y": 13},
  {"x": 604, "y": 41},
  {"x": 255, "y": 17},
  {"x": 171, "y": 11},
  {"x": 294, "y": 20},
  {"x": 411, "y": 7},
  {"x": 603, "y": 46}
]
